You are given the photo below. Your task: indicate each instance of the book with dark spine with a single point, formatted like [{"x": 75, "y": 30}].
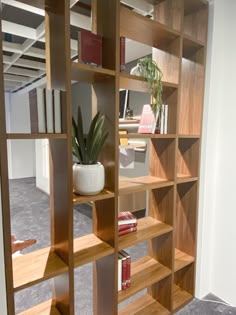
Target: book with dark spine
[
  {"x": 123, "y": 271},
  {"x": 90, "y": 48},
  {"x": 128, "y": 268},
  {"x": 122, "y": 53},
  {"x": 127, "y": 231}
]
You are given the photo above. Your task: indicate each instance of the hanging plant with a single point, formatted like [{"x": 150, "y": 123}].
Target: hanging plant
[{"x": 149, "y": 70}]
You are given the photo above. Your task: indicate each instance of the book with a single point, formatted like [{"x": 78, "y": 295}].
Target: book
[
  {"x": 162, "y": 118},
  {"x": 148, "y": 120},
  {"x": 123, "y": 271},
  {"x": 126, "y": 226},
  {"x": 57, "y": 110},
  {"x": 128, "y": 268},
  {"x": 119, "y": 273},
  {"x": 126, "y": 217},
  {"x": 37, "y": 110},
  {"x": 49, "y": 111},
  {"x": 127, "y": 231},
  {"x": 90, "y": 48},
  {"x": 165, "y": 119},
  {"x": 122, "y": 53}
]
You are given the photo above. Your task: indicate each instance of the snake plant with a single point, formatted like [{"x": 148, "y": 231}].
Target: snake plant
[{"x": 87, "y": 148}]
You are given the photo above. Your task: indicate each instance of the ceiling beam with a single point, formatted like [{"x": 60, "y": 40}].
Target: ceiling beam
[
  {"x": 24, "y": 6},
  {"x": 18, "y": 29},
  {"x": 25, "y": 72},
  {"x": 17, "y": 78}
]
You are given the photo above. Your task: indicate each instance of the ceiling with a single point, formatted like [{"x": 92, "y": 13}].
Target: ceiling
[{"x": 24, "y": 40}]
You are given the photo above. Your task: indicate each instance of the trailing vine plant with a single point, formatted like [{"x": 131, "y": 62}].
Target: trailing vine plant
[{"x": 150, "y": 71}]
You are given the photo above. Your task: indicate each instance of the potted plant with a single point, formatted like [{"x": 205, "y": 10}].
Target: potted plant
[
  {"x": 88, "y": 173},
  {"x": 149, "y": 70}
]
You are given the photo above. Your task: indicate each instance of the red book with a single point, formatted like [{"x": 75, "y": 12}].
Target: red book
[
  {"x": 126, "y": 217},
  {"x": 122, "y": 53},
  {"x": 128, "y": 268},
  {"x": 126, "y": 226},
  {"x": 90, "y": 48},
  {"x": 127, "y": 231},
  {"x": 148, "y": 120},
  {"x": 123, "y": 271}
]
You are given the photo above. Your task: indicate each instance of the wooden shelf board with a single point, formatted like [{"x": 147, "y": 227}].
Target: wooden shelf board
[
  {"x": 23, "y": 136},
  {"x": 191, "y": 46},
  {"x": 128, "y": 185},
  {"x": 181, "y": 178},
  {"x": 181, "y": 297},
  {"x": 90, "y": 248},
  {"x": 144, "y": 272},
  {"x": 147, "y": 228},
  {"x": 46, "y": 308},
  {"x": 145, "y": 30},
  {"x": 144, "y": 305},
  {"x": 147, "y": 136},
  {"x": 189, "y": 136},
  {"x": 182, "y": 260},
  {"x": 138, "y": 83},
  {"x": 104, "y": 194},
  {"x": 87, "y": 73},
  {"x": 35, "y": 267}
]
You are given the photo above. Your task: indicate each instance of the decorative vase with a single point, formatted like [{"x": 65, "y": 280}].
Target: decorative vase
[{"x": 88, "y": 179}]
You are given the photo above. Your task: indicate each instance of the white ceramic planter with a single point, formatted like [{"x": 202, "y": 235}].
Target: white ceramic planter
[{"x": 88, "y": 179}]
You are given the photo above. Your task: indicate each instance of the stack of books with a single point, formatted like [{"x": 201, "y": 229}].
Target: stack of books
[
  {"x": 127, "y": 223},
  {"x": 45, "y": 110},
  {"x": 124, "y": 270}
]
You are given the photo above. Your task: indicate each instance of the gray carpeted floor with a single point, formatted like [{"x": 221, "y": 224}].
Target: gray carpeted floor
[{"x": 30, "y": 218}]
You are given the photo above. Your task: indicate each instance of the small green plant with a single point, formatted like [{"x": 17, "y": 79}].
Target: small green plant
[
  {"x": 87, "y": 148},
  {"x": 149, "y": 69}
]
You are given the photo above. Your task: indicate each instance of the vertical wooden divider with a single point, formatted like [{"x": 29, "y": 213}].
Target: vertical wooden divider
[
  {"x": 58, "y": 65},
  {"x": 106, "y": 22},
  {"x": 6, "y": 225}
]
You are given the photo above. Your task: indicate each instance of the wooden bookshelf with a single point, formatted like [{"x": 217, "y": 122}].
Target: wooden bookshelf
[
  {"x": 35, "y": 267},
  {"x": 46, "y": 308},
  {"x": 89, "y": 248},
  {"x": 182, "y": 260},
  {"x": 147, "y": 228},
  {"x": 144, "y": 272},
  {"x": 135, "y": 184},
  {"x": 178, "y": 36},
  {"x": 144, "y": 305}
]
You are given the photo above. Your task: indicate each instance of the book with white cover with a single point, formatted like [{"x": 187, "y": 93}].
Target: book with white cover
[
  {"x": 41, "y": 110},
  {"x": 57, "y": 111},
  {"x": 162, "y": 118},
  {"x": 119, "y": 273},
  {"x": 49, "y": 111},
  {"x": 165, "y": 119}
]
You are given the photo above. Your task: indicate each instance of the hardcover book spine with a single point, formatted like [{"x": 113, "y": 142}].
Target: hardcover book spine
[
  {"x": 128, "y": 269},
  {"x": 122, "y": 53},
  {"x": 123, "y": 272},
  {"x": 166, "y": 119},
  {"x": 127, "y": 231},
  {"x": 126, "y": 226},
  {"x": 49, "y": 111},
  {"x": 57, "y": 111},
  {"x": 41, "y": 108},
  {"x": 119, "y": 273},
  {"x": 33, "y": 102}
]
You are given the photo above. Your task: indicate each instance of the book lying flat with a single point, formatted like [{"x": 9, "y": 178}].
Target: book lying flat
[
  {"x": 126, "y": 217},
  {"x": 127, "y": 231}
]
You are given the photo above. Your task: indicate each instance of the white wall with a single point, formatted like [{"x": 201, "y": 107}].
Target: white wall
[
  {"x": 21, "y": 153},
  {"x": 216, "y": 271}
]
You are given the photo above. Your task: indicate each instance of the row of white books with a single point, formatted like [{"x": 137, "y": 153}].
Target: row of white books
[
  {"x": 124, "y": 270},
  {"x": 45, "y": 110},
  {"x": 163, "y": 119}
]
